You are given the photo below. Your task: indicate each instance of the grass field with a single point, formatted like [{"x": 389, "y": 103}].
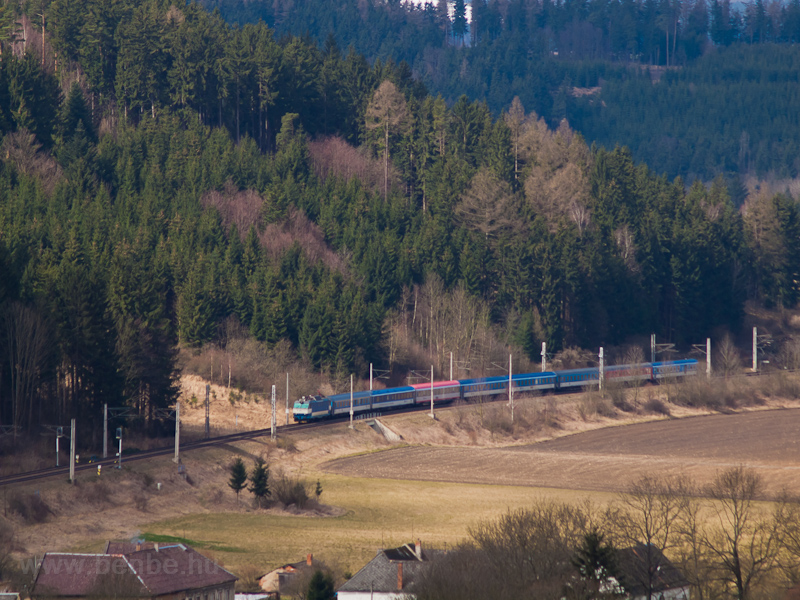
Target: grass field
[{"x": 379, "y": 513}]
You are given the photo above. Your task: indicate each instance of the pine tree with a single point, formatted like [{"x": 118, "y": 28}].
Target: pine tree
[
  {"x": 460, "y": 24},
  {"x": 595, "y": 560},
  {"x": 238, "y": 480},
  {"x": 259, "y": 482}
]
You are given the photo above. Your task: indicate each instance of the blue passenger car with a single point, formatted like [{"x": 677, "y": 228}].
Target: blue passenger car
[
  {"x": 525, "y": 382},
  {"x": 675, "y": 368},
  {"x": 340, "y": 403},
  {"x": 578, "y": 378},
  {"x": 393, "y": 397},
  {"x": 485, "y": 386}
]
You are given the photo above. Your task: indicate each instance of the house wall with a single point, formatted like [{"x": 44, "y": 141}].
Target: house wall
[
  {"x": 673, "y": 594},
  {"x": 374, "y": 596},
  {"x": 220, "y": 592}
]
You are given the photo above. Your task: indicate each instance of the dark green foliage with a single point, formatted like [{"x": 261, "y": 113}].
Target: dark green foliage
[
  {"x": 259, "y": 482},
  {"x": 321, "y": 586},
  {"x": 238, "y": 480},
  {"x": 691, "y": 123},
  {"x": 594, "y": 559},
  {"x": 206, "y": 195}
]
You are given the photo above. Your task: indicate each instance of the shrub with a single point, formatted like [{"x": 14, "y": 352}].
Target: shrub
[
  {"x": 498, "y": 420},
  {"x": 619, "y": 398},
  {"x": 780, "y": 385},
  {"x": 592, "y": 404},
  {"x": 140, "y": 501},
  {"x": 287, "y": 444},
  {"x": 657, "y": 406},
  {"x": 290, "y": 490},
  {"x": 31, "y": 507}
]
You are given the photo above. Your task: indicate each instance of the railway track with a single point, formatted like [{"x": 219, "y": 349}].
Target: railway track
[
  {"x": 29, "y": 476},
  {"x": 39, "y": 474}
]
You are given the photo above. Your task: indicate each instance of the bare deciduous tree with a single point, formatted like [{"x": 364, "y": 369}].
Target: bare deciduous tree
[
  {"x": 728, "y": 356},
  {"x": 533, "y": 547},
  {"x": 746, "y": 539},
  {"x": 517, "y": 122},
  {"x": 649, "y": 516},
  {"x": 386, "y": 111},
  {"x": 28, "y": 345},
  {"x": 558, "y": 185},
  {"x": 486, "y": 206}
]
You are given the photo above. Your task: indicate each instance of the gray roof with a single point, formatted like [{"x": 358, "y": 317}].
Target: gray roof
[
  {"x": 637, "y": 563},
  {"x": 380, "y": 574}
]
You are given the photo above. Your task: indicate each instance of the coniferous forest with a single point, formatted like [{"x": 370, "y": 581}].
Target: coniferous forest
[
  {"x": 594, "y": 63},
  {"x": 164, "y": 173}
]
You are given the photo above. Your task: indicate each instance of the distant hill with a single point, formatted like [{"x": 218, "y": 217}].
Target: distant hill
[{"x": 698, "y": 124}]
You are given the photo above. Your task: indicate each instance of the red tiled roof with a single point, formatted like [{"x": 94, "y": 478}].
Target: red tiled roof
[
  {"x": 83, "y": 575},
  {"x": 176, "y": 568},
  {"x": 127, "y": 547},
  {"x": 148, "y": 572}
]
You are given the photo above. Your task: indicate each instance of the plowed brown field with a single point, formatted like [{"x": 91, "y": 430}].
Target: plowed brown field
[{"x": 608, "y": 459}]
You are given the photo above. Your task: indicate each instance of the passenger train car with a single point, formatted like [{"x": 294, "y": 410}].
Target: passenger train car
[{"x": 312, "y": 408}]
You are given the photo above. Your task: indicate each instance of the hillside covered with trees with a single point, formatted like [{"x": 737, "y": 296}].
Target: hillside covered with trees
[
  {"x": 595, "y": 63},
  {"x": 166, "y": 178}
]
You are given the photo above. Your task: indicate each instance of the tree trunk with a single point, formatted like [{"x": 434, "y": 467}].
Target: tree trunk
[{"x": 386, "y": 162}]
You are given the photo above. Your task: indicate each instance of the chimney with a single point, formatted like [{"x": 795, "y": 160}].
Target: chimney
[
  {"x": 138, "y": 547},
  {"x": 309, "y": 559},
  {"x": 399, "y": 576},
  {"x": 418, "y": 549}
]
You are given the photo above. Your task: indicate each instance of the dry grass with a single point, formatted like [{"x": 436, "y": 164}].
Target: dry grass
[
  {"x": 368, "y": 513},
  {"x": 380, "y": 513}
]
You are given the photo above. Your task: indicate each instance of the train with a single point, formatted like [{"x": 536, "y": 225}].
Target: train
[{"x": 316, "y": 407}]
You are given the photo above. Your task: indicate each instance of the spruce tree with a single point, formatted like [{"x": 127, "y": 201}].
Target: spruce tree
[
  {"x": 320, "y": 587},
  {"x": 238, "y": 480},
  {"x": 259, "y": 482}
]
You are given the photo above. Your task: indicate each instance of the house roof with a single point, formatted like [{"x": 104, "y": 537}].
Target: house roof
[
  {"x": 380, "y": 574},
  {"x": 84, "y": 575},
  {"x": 148, "y": 572},
  {"x": 176, "y": 568},
  {"x": 637, "y": 562},
  {"x": 126, "y": 547}
]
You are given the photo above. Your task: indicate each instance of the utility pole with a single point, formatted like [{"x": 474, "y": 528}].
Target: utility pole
[
  {"x": 177, "y": 458},
  {"x": 544, "y": 357},
  {"x": 274, "y": 416},
  {"x": 652, "y": 347},
  {"x": 105, "y": 431},
  {"x": 755, "y": 349},
  {"x": 451, "y": 366},
  {"x": 602, "y": 370},
  {"x": 510, "y": 390},
  {"x": 59, "y": 433},
  {"x": 432, "y": 415},
  {"x": 351, "y": 401},
  {"x": 287, "y": 398},
  {"x": 119, "y": 437},
  {"x": 72, "y": 451},
  {"x": 208, "y": 421},
  {"x": 705, "y": 349}
]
